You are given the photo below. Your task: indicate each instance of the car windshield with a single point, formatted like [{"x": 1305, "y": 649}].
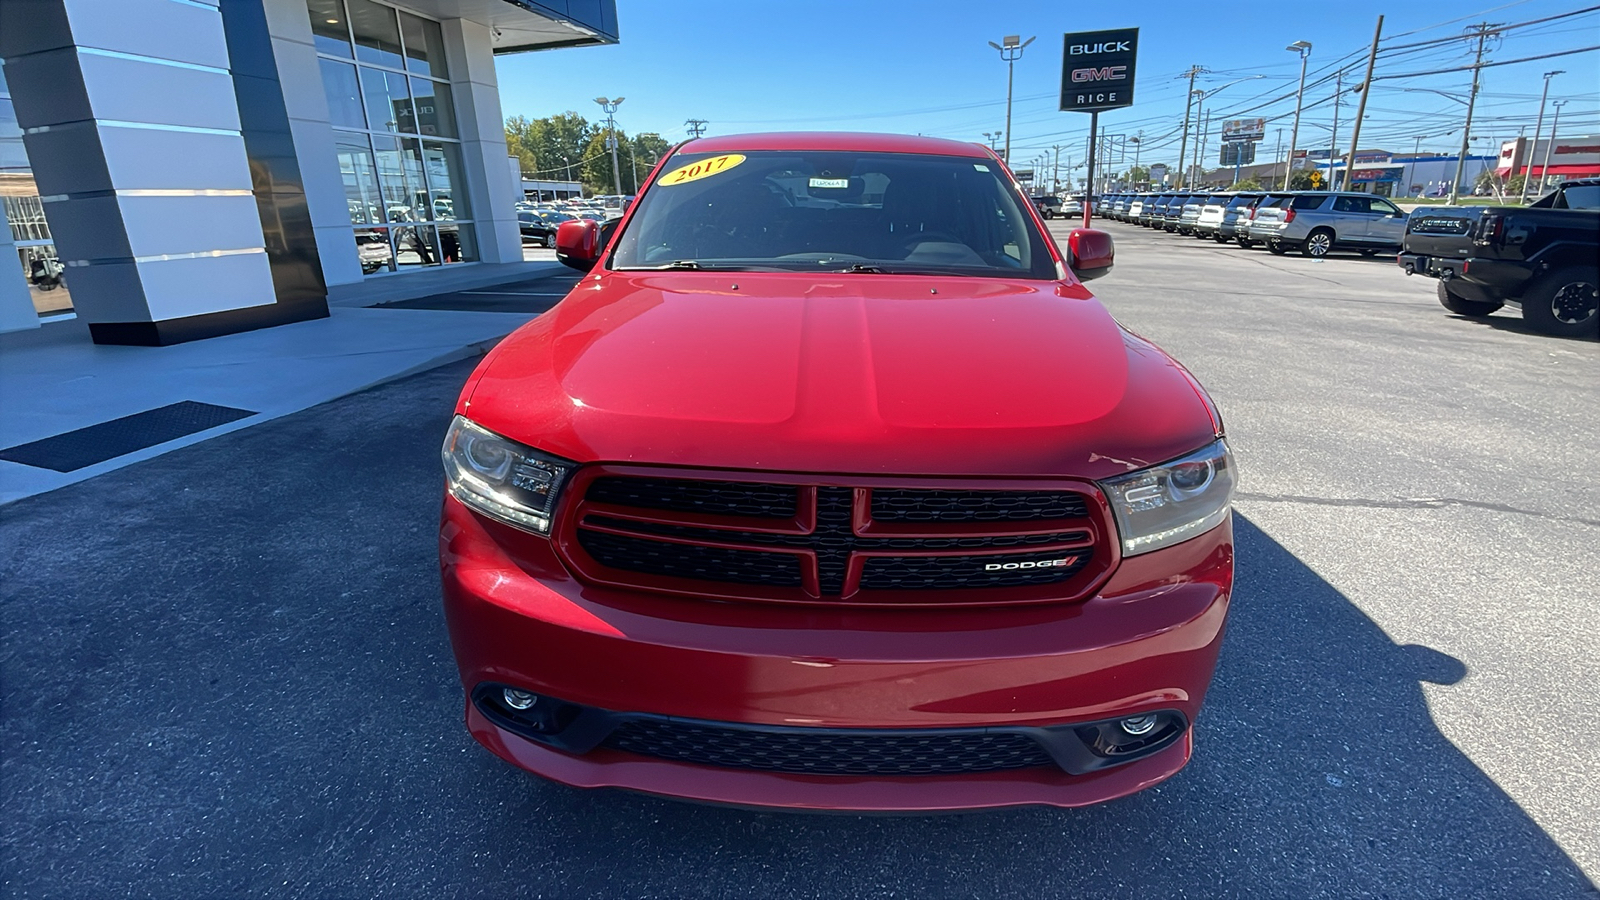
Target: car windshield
[{"x": 840, "y": 211}]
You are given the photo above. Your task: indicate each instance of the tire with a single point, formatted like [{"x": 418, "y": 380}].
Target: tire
[
  {"x": 1565, "y": 303},
  {"x": 1318, "y": 244},
  {"x": 1219, "y": 238},
  {"x": 549, "y": 242},
  {"x": 1277, "y": 248},
  {"x": 1461, "y": 306},
  {"x": 1244, "y": 243}
]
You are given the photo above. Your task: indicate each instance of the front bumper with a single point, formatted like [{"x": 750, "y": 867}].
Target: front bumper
[{"x": 1146, "y": 642}]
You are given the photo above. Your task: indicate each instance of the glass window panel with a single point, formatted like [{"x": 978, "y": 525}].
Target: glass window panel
[
  {"x": 377, "y": 33},
  {"x": 424, "y": 46},
  {"x": 47, "y": 285},
  {"x": 360, "y": 178},
  {"x": 329, "y": 27},
  {"x": 436, "y": 111},
  {"x": 344, "y": 94},
  {"x": 374, "y": 250},
  {"x": 444, "y": 179},
  {"x": 388, "y": 101},
  {"x": 458, "y": 243},
  {"x": 405, "y": 197},
  {"x": 415, "y": 245}
]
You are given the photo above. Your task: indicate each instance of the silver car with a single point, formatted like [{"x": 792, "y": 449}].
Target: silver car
[{"x": 1317, "y": 223}]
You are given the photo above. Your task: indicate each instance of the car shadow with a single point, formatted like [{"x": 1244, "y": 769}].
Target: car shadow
[
  {"x": 225, "y": 673},
  {"x": 1510, "y": 320}
]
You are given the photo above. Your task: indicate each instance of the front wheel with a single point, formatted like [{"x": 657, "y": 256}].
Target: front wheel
[
  {"x": 1565, "y": 303},
  {"x": 1318, "y": 244},
  {"x": 1277, "y": 248},
  {"x": 1461, "y": 306}
]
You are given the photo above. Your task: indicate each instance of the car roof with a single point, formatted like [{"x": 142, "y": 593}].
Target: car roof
[{"x": 835, "y": 140}]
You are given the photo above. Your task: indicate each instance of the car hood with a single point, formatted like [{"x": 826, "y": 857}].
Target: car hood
[{"x": 849, "y": 374}]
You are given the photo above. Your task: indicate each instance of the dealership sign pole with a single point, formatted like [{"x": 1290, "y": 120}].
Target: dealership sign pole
[{"x": 1096, "y": 74}]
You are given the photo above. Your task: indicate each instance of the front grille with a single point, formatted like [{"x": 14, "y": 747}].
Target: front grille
[
  {"x": 975, "y": 506},
  {"x": 690, "y": 561},
  {"x": 723, "y": 498},
  {"x": 834, "y": 543},
  {"x": 817, "y": 752},
  {"x": 943, "y": 573}
]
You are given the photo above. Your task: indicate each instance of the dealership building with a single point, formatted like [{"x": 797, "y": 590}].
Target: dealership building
[{"x": 179, "y": 169}]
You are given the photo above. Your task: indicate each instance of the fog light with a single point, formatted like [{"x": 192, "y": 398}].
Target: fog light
[
  {"x": 523, "y": 700},
  {"x": 1134, "y": 725}
]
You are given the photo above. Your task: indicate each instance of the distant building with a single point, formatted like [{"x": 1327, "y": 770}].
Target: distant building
[{"x": 1574, "y": 157}]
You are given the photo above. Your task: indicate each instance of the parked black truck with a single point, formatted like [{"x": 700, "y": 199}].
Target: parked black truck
[{"x": 1542, "y": 258}]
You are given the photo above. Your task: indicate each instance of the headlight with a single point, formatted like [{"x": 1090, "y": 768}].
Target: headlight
[
  {"x": 501, "y": 478},
  {"x": 1170, "y": 503}
]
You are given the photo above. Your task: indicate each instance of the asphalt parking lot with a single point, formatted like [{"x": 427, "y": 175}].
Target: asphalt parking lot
[{"x": 225, "y": 672}]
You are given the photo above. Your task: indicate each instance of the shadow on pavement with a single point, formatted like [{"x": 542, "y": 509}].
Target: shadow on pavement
[
  {"x": 1511, "y": 320},
  {"x": 225, "y": 673}
]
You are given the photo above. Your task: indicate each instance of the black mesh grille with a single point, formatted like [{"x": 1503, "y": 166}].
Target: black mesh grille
[
  {"x": 723, "y": 498},
  {"x": 719, "y": 535},
  {"x": 904, "y": 573},
  {"x": 690, "y": 561},
  {"x": 898, "y": 505},
  {"x": 829, "y": 752}
]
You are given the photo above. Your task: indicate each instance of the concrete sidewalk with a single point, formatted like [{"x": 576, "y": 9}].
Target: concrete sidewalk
[{"x": 54, "y": 381}]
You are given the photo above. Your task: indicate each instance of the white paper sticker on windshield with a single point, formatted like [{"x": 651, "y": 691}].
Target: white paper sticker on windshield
[
  {"x": 980, "y": 167},
  {"x": 830, "y": 182}
]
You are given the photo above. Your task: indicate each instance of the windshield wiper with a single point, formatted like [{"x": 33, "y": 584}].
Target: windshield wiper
[
  {"x": 680, "y": 264},
  {"x": 863, "y": 269}
]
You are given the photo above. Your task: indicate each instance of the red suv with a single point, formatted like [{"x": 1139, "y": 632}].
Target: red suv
[{"x": 831, "y": 486}]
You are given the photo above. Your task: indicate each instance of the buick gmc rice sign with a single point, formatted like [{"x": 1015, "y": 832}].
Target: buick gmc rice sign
[{"x": 1097, "y": 70}]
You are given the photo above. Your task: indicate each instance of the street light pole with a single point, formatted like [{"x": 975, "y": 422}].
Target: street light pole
[
  {"x": 1544, "y": 170},
  {"x": 610, "y": 107},
  {"x": 1010, "y": 48},
  {"x": 1333, "y": 140},
  {"x": 1522, "y": 195},
  {"x": 1304, "y": 49}
]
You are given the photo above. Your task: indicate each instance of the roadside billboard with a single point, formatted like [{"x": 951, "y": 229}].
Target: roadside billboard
[
  {"x": 1243, "y": 130},
  {"x": 1097, "y": 69}
]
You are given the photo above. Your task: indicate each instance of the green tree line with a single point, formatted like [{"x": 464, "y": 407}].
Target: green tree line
[{"x": 568, "y": 147}]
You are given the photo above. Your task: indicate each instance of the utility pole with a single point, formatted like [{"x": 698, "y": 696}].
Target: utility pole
[
  {"x": 1200, "y": 148},
  {"x": 1416, "y": 151},
  {"x": 1333, "y": 141},
  {"x": 1055, "y": 171},
  {"x": 1484, "y": 30},
  {"x": 1544, "y": 170},
  {"x": 1277, "y": 156},
  {"x": 610, "y": 107},
  {"x": 1183, "y": 144},
  {"x": 1138, "y": 144},
  {"x": 1304, "y": 49},
  {"x": 1527, "y": 175},
  {"x": 1361, "y": 109},
  {"x": 1010, "y": 52},
  {"x": 696, "y": 127}
]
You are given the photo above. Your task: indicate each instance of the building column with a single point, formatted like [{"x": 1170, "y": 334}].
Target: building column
[
  {"x": 493, "y": 191},
  {"x": 132, "y": 124}
]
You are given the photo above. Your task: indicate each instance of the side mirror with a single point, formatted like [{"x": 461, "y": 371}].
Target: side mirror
[
  {"x": 1089, "y": 253},
  {"x": 578, "y": 244}
]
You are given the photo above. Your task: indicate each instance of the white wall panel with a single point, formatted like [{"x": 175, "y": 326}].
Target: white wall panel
[
  {"x": 162, "y": 28},
  {"x": 148, "y": 158},
  {"x": 128, "y": 90},
  {"x": 207, "y": 284}
]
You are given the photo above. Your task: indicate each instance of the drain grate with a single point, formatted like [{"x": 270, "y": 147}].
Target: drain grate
[{"x": 108, "y": 440}]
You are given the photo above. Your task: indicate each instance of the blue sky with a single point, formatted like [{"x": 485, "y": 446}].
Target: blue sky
[{"x": 926, "y": 67}]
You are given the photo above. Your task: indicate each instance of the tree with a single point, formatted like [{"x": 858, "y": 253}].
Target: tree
[
  {"x": 1138, "y": 174},
  {"x": 551, "y": 148},
  {"x": 1249, "y": 184}
]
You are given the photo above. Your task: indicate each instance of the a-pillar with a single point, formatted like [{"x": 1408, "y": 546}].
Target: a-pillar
[{"x": 132, "y": 126}]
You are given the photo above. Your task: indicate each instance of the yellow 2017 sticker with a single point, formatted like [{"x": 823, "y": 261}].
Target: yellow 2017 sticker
[{"x": 702, "y": 169}]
